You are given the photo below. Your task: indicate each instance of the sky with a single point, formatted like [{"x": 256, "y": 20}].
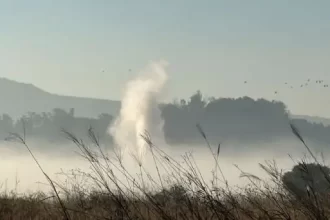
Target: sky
[{"x": 62, "y": 46}]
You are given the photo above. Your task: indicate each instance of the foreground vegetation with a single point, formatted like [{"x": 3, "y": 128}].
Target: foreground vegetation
[{"x": 178, "y": 192}]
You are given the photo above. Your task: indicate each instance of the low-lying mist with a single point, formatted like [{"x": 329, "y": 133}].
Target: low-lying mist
[{"x": 17, "y": 165}]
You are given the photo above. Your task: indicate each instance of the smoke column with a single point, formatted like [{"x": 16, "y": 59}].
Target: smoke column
[{"x": 139, "y": 110}]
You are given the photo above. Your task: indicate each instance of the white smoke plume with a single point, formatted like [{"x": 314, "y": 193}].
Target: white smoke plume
[{"x": 139, "y": 110}]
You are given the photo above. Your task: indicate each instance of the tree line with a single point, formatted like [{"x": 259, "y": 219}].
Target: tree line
[
  {"x": 242, "y": 119},
  {"x": 50, "y": 125}
]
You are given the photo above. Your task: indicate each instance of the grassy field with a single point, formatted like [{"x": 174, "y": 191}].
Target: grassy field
[{"x": 178, "y": 192}]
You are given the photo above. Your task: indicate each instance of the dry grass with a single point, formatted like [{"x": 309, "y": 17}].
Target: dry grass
[{"x": 182, "y": 194}]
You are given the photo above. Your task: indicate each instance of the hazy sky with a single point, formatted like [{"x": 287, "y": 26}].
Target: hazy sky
[{"x": 62, "y": 45}]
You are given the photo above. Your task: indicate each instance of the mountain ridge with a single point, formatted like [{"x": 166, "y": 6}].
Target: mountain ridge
[{"x": 17, "y": 99}]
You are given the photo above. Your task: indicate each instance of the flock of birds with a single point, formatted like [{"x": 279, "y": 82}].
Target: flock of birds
[{"x": 305, "y": 84}]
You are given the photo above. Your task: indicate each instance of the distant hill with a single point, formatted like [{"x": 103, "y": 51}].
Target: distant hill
[
  {"x": 313, "y": 119},
  {"x": 17, "y": 99}
]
